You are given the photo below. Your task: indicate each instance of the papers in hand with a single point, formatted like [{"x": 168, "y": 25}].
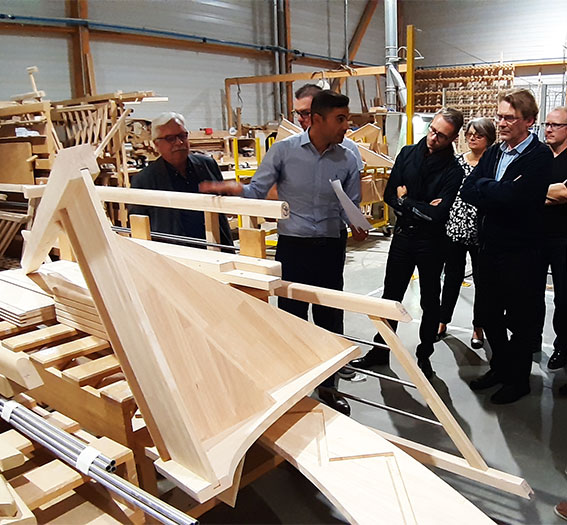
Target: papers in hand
[{"x": 355, "y": 217}]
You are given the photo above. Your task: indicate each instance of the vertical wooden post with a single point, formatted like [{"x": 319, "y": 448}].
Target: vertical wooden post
[{"x": 82, "y": 65}]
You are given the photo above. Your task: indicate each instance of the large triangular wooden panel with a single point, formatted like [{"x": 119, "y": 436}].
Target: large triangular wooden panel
[{"x": 210, "y": 367}]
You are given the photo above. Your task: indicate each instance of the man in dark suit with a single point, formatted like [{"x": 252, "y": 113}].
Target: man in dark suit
[
  {"x": 508, "y": 186},
  {"x": 177, "y": 170}
]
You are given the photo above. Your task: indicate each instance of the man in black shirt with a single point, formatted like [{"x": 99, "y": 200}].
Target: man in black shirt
[
  {"x": 423, "y": 184},
  {"x": 555, "y": 237},
  {"x": 177, "y": 170}
]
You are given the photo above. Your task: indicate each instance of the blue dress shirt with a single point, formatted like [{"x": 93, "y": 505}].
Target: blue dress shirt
[
  {"x": 508, "y": 156},
  {"x": 302, "y": 176}
]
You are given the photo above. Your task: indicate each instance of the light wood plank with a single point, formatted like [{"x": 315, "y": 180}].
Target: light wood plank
[
  {"x": 90, "y": 373},
  {"x": 407, "y": 493},
  {"x": 8, "y": 507},
  {"x": 18, "y": 367},
  {"x": 42, "y": 484},
  {"x": 60, "y": 354},
  {"x": 40, "y": 337}
]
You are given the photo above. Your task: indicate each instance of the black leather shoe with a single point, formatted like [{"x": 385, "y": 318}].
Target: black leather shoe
[
  {"x": 425, "y": 365},
  {"x": 509, "y": 394},
  {"x": 375, "y": 357},
  {"x": 336, "y": 402},
  {"x": 487, "y": 380},
  {"x": 557, "y": 360}
]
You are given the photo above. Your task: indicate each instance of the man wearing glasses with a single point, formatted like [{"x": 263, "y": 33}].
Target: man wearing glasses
[
  {"x": 508, "y": 187},
  {"x": 422, "y": 186},
  {"x": 555, "y": 237},
  {"x": 302, "y": 110},
  {"x": 177, "y": 170}
]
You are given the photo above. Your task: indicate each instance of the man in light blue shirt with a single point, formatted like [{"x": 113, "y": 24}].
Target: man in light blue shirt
[
  {"x": 509, "y": 154},
  {"x": 312, "y": 241}
]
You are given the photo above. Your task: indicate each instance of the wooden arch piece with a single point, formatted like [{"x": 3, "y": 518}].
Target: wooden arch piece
[{"x": 210, "y": 367}]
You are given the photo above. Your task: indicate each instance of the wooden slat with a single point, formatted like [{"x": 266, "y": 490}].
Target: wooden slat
[
  {"x": 60, "y": 354},
  {"x": 18, "y": 367},
  {"x": 92, "y": 372},
  {"x": 37, "y": 338}
]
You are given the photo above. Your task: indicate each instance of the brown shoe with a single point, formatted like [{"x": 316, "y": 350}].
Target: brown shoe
[{"x": 561, "y": 509}]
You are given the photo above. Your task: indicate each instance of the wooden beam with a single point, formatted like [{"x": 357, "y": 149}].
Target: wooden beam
[
  {"x": 184, "y": 201},
  {"x": 437, "y": 458},
  {"x": 290, "y": 77},
  {"x": 180, "y": 43},
  {"x": 81, "y": 61},
  {"x": 356, "y": 39}
]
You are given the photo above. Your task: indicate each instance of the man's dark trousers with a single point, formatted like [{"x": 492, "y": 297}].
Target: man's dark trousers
[
  {"x": 408, "y": 251},
  {"x": 318, "y": 261},
  {"x": 507, "y": 292}
]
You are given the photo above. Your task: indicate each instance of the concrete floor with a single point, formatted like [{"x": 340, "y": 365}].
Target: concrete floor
[{"x": 526, "y": 438}]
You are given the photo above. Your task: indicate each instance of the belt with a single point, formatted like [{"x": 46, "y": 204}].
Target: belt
[{"x": 312, "y": 241}]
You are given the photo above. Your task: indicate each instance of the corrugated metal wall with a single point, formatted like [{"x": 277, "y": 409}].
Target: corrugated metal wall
[
  {"x": 452, "y": 31},
  {"x": 475, "y": 31}
]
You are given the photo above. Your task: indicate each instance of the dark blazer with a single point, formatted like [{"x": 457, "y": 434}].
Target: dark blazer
[
  {"x": 426, "y": 177},
  {"x": 157, "y": 176},
  {"x": 510, "y": 211}
]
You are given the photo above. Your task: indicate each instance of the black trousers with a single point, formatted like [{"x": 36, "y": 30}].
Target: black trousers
[
  {"x": 406, "y": 253},
  {"x": 508, "y": 288},
  {"x": 318, "y": 261},
  {"x": 554, "y": 254},
  {"x": 454, "y": 271}
]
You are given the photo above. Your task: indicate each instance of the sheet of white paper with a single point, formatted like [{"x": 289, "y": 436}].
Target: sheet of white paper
[{"x": 354, "y": 214}]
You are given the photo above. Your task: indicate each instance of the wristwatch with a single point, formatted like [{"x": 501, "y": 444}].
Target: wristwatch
[{"x": 402, "y": 199}]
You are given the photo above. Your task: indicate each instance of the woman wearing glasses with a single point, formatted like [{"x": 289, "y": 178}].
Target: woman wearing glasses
[{"x": 461, "y": 228}]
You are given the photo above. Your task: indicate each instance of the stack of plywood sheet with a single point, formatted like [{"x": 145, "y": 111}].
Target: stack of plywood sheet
[
  {"x": 74, "y": 305},
  {"x": 23, "y": 303}
]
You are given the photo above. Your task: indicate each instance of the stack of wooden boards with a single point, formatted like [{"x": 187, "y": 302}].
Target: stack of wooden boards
[{"x": 22, "y": 302}]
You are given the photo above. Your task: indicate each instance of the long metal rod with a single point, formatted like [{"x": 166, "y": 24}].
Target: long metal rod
[
  {"x": 36, "y": 424},
  {"x": 380, "y": 376},
  {"x": 148, "y": 503},
  {"x": 383, "y": 407},
  {"x": 180, "y": 239}
]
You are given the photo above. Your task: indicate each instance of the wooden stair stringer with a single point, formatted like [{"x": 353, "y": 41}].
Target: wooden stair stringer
[{"x": 387, "y": 482}]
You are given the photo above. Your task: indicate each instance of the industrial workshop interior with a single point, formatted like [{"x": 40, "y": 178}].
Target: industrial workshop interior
[{"x": 283, "y": 262}]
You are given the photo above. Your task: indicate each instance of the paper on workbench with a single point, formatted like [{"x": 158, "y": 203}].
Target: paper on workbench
[{"x": 355, "y": 217}]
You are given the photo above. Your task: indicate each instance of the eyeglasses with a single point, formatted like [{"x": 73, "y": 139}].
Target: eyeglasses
[
  {"x": 172, "y": 139},
  {"x": 509, "y": 119},
  {"x": 554, "y": 125},
  {"x": 476, "y": 136},
  {"x": 438, "y": 134},
  {"x": 304, "y": 113}
]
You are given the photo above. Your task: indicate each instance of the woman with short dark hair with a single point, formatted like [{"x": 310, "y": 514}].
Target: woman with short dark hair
[{"x": 480, "y": 134}]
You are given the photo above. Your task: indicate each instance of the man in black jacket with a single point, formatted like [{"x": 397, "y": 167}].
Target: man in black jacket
[
  {"x": 423, "y": 184},
  {"x": 555, "y": 237},
  {"x": 508, "y": 187},
  {"x": 177, "y": 170}
]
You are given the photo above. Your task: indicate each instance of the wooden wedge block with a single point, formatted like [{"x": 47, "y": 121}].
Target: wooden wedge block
[
  {"x": 23, "y": 516},
  {"x": 8, "y": 507},
  {"x": 38, "y": 338},
  {"x": 43, "y": 484},
  {"x": 13, "y": 439},
  {"x": 7, "y": 328},
  {"x": 18, "y": 367},
  {"x": 10, "y": 458}
]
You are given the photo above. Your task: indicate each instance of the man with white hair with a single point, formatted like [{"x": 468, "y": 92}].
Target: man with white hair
[
  {"x": 555, "y": 237},
  {"x": 177, "y": 170}
]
